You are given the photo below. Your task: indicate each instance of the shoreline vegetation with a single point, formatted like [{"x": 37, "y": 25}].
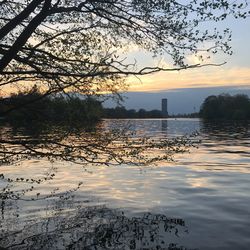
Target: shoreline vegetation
[
  {"x": 226, "y": 107},
  {"x": 32, "y": 106},
  {"x": 123, "y": 113}
]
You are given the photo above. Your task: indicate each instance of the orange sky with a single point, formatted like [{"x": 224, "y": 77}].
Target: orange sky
[{"x": 202, "y": 77}]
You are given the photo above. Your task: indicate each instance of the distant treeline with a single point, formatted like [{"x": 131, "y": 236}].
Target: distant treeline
[
  {"x": 34, "y": 106},
  {"x": 121, "y": 112},
  {"x": 225, "y": 106}
]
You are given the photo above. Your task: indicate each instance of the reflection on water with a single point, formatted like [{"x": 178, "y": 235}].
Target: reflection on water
[
  {"x": 109, "y": 143},
  {"x": 199, "y": 202},
  {"x": 98, "y": 228},
  {"x": 164, "y": 125}
]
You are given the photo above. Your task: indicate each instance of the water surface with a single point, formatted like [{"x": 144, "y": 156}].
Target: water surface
[{"x": 201, "y": 201}]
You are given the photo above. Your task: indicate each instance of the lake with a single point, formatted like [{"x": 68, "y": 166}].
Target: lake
[{"x": 200, "y": 201}]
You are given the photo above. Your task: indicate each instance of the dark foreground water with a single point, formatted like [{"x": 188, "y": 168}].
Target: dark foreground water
[{"x": 202, "y": 201}]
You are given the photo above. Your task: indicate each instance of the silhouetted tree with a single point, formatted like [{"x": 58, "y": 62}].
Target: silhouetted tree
[
  {"x": 226, "y": 107},
  {"x": 77, "y": 45},
  {"x": 121, "y": 112},
  {"x": 34, "y": 107}
]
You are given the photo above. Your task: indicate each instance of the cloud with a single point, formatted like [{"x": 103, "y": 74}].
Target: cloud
[{"x": 201, "y": 77}]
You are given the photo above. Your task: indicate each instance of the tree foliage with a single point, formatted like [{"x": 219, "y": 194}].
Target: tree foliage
[
  {"x": 122, "y": 112},
  {"x": 226, "y": 107},
  {"x": 78, "y": 45},
  {"x": 33, "y": 107}
]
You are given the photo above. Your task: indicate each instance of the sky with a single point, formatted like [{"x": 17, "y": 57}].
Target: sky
[
  {"x": 188, "y": 88},
  {"x": 235, "y": 71}
]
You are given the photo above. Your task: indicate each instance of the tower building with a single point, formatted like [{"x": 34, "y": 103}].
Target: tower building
[{"x": 164, "y": 107}]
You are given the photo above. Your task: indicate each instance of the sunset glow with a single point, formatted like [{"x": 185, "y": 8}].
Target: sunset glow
[{"x": 202, "y": 77}]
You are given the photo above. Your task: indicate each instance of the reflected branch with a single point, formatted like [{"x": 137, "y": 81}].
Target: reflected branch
[
  {"x": 114, "y": 147},
  {"x": 100, "y": 228}
]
